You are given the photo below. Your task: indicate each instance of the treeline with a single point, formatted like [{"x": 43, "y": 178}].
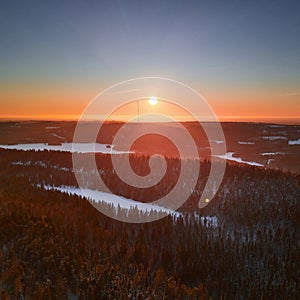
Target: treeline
[
  {"x": 55, "y": 168},
  {"x": 55, "y": 246}
]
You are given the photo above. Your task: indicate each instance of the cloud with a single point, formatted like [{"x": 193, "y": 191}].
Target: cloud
[{"x": 290, "y": 94}]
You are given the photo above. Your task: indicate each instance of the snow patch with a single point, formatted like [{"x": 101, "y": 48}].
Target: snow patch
[
  {"x": 273, "y": 138},
  {"x": 58, "y": 136},
  {"x": 294, "y": 142},
  {"x": 246, "y": 143},
  {"x": 211, "y": 221},
  {"x": 39, "y": 163},
  {"x": 275, "y": 126},
  {"x": 17, "y": 163},
  {"x": 271, "y": 153},
  {"x": 217, "y": 141}
]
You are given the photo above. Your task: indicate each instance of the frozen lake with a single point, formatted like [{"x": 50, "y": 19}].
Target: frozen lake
[
  {"x": 67, "y": 147},
  {"x": 126, "y": 203},
  {"x": 229, "y": 156}
]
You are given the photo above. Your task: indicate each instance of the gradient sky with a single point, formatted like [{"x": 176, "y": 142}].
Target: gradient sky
[{"x": 242, "y": 56}]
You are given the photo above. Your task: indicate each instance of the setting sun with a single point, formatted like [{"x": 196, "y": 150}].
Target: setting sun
[{"x": 153, "y": 101}]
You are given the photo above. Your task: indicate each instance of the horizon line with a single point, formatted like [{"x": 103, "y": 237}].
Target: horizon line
[{"x": 75, "y": 118}]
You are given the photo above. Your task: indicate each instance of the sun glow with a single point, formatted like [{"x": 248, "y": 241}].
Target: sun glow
[{"x": 152, "y": 100}]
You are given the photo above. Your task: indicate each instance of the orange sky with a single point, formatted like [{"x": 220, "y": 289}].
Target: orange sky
[{"x": 36, "y": 101}]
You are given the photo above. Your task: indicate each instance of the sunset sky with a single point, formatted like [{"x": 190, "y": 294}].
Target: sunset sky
[{"x": 243, "y": 57}]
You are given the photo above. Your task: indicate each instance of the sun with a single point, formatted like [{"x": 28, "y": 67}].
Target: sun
[{"x": 152, "y": 100}]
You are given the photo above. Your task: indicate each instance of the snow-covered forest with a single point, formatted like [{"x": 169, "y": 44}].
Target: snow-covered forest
[{"x": 58, "y": 246}]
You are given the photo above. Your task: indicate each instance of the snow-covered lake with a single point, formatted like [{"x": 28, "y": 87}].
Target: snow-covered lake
[
  {"x": 229, "y": 156},
  {"x": 67, "y": 147},
  {"x": 126, "y": 203},
  {"x": 108, "y": 198}
]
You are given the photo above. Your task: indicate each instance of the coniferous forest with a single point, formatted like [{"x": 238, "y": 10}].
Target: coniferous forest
[{"x": 58, "y": 246}]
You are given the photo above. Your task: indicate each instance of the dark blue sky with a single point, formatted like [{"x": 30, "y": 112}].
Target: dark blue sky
[{"x": 246, "y": 46}]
